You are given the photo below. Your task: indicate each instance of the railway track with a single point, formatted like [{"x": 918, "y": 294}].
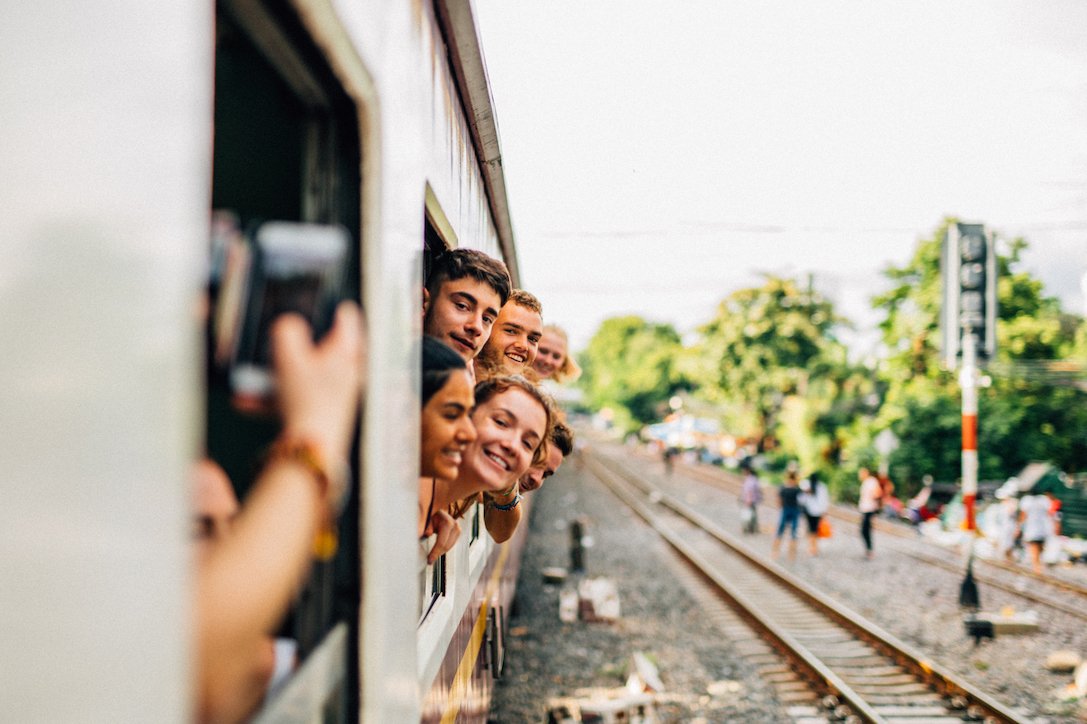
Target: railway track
[
  {"x": 861, "y": 673},
  {"x": 1059, "y": 594}
]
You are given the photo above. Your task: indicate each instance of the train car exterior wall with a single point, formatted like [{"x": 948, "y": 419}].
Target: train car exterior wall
[{"x": 107, "y": 144}]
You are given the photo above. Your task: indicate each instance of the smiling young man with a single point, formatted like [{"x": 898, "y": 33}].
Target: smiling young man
[
  {"x": 560, "y": 443},
  {"x": 462, "y": 298},
  {"x": 515, "y": 338}
]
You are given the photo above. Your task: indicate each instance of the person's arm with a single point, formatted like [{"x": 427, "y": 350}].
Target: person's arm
[
  {"x": 447, "y": 531},
  {"x": 502, "y": 513},
  {"x": 247, "y": 584}
]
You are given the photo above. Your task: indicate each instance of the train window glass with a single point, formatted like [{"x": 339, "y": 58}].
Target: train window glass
[
  {"x": 432, "y": 586},
  {"x": 286, "y": 148},
  {"x": 477, "y": 515}
]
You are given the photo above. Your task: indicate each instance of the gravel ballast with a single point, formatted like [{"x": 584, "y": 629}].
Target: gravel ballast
[{"x": 547, "y": 658}]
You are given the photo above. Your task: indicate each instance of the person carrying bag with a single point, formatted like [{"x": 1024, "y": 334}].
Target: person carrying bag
[{"x": 815, "y": 502}]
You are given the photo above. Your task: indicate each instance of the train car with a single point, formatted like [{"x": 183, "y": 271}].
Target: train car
[{"x": 126, "y": 127}]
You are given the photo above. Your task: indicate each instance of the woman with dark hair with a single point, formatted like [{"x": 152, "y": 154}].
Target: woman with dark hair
[
  {"x": 789, "y": 497},
  {"x": 446, "y": 430}
]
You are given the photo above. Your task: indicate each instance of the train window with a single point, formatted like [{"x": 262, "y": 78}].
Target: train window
[
  {"x": 433, "y": 245},
  {"x": 286, "y": 148},
  {"x": 431, "y": 585},
  {"x": 438, "y": 234},
  {"x": 476, "y": 515}
]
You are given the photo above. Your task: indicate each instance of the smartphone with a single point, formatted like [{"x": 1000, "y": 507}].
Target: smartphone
[{"x": 293, "y": 267}]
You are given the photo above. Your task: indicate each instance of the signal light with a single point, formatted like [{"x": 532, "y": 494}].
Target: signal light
[{"x": 969, "y": 299}]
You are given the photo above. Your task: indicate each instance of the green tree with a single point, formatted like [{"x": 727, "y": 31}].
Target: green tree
[
  {"x": 766, "y": 345},
  {"x": 630, "y": 366}
]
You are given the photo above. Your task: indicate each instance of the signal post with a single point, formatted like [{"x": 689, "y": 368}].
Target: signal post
[
  {"x": 968, "y": 380},
  {"x": 969, "y": 330}
]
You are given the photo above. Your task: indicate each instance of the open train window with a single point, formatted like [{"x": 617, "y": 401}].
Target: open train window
[
  {"x": 287, "y": 148},
  {"x": 433, "y": 245}
]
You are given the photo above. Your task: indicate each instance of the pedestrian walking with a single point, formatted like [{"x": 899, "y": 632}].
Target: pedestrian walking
[
  {"x": 750, "y": 497},
  {"x": 815, "y": 502},
  {"x": 789, "y": 496},
  {"x": 868, "y": 506},
  {"x": 1037, "y": 524},
  {"x": 1007, "y": 523}
]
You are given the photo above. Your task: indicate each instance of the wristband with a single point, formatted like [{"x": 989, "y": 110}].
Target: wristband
[
  {"x": 508, "y": 506},
  {"x": 331, "y": 489},
  {"x": 332, "y": 486}
]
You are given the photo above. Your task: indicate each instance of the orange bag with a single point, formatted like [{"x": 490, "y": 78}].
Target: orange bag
[{"x": 824, "y": 528}]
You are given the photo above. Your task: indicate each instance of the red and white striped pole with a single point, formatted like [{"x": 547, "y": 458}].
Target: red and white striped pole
[{"x": 968, "y": 378}]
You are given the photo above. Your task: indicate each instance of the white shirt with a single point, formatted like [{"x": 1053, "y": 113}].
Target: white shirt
[
  {"x": 816, "y": 504},
  {"x": 1037, "y": 524},
  {"x": 871, "y": 491}
]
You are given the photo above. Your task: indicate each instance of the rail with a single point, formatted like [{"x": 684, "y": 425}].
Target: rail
[{"x": 938, "y": 679}]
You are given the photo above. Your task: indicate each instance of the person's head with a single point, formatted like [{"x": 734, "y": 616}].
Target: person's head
[
  {"x": 214, "y": 506},
  {"x": 447, "y": 400},
  {"x": 553, "y": 360},
  {"x": 560, "y": 443},
  {"x": 792, "y": 479},
  {"x": 512, "y": 418},
  {"x": 863, "y": 473},
  {"x": 511, "y": 348},
  {"x": 461, "y": 299}
]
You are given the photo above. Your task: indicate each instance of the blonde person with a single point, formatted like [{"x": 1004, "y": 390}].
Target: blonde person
[
  {"x": 553, "y": 361},
  {"x": 515, "y": 338},
  {"x": 512, "y": 418},
  {"x": 446, "y": 430}
]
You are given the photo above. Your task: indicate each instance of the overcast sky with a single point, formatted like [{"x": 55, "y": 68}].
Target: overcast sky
[{"x": 661, "y": 155}]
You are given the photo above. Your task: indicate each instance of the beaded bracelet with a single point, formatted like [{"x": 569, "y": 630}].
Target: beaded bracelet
[{"x": 508, "y": 506}]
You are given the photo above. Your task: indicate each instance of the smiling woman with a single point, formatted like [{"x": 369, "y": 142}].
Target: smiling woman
[
  {"x": 447, "y": 401},
  {"x": 445, "y": 431},
  {"x": 511, "y": 419},
  {"x": 553, "y": 360}
]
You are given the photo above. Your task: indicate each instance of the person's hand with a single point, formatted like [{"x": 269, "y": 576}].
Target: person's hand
[
  {"x": 318, "y": 386},
  {"x": 447, "y": 529}
]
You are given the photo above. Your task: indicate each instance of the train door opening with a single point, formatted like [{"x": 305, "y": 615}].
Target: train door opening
[{"x": 286, "y": 148}]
